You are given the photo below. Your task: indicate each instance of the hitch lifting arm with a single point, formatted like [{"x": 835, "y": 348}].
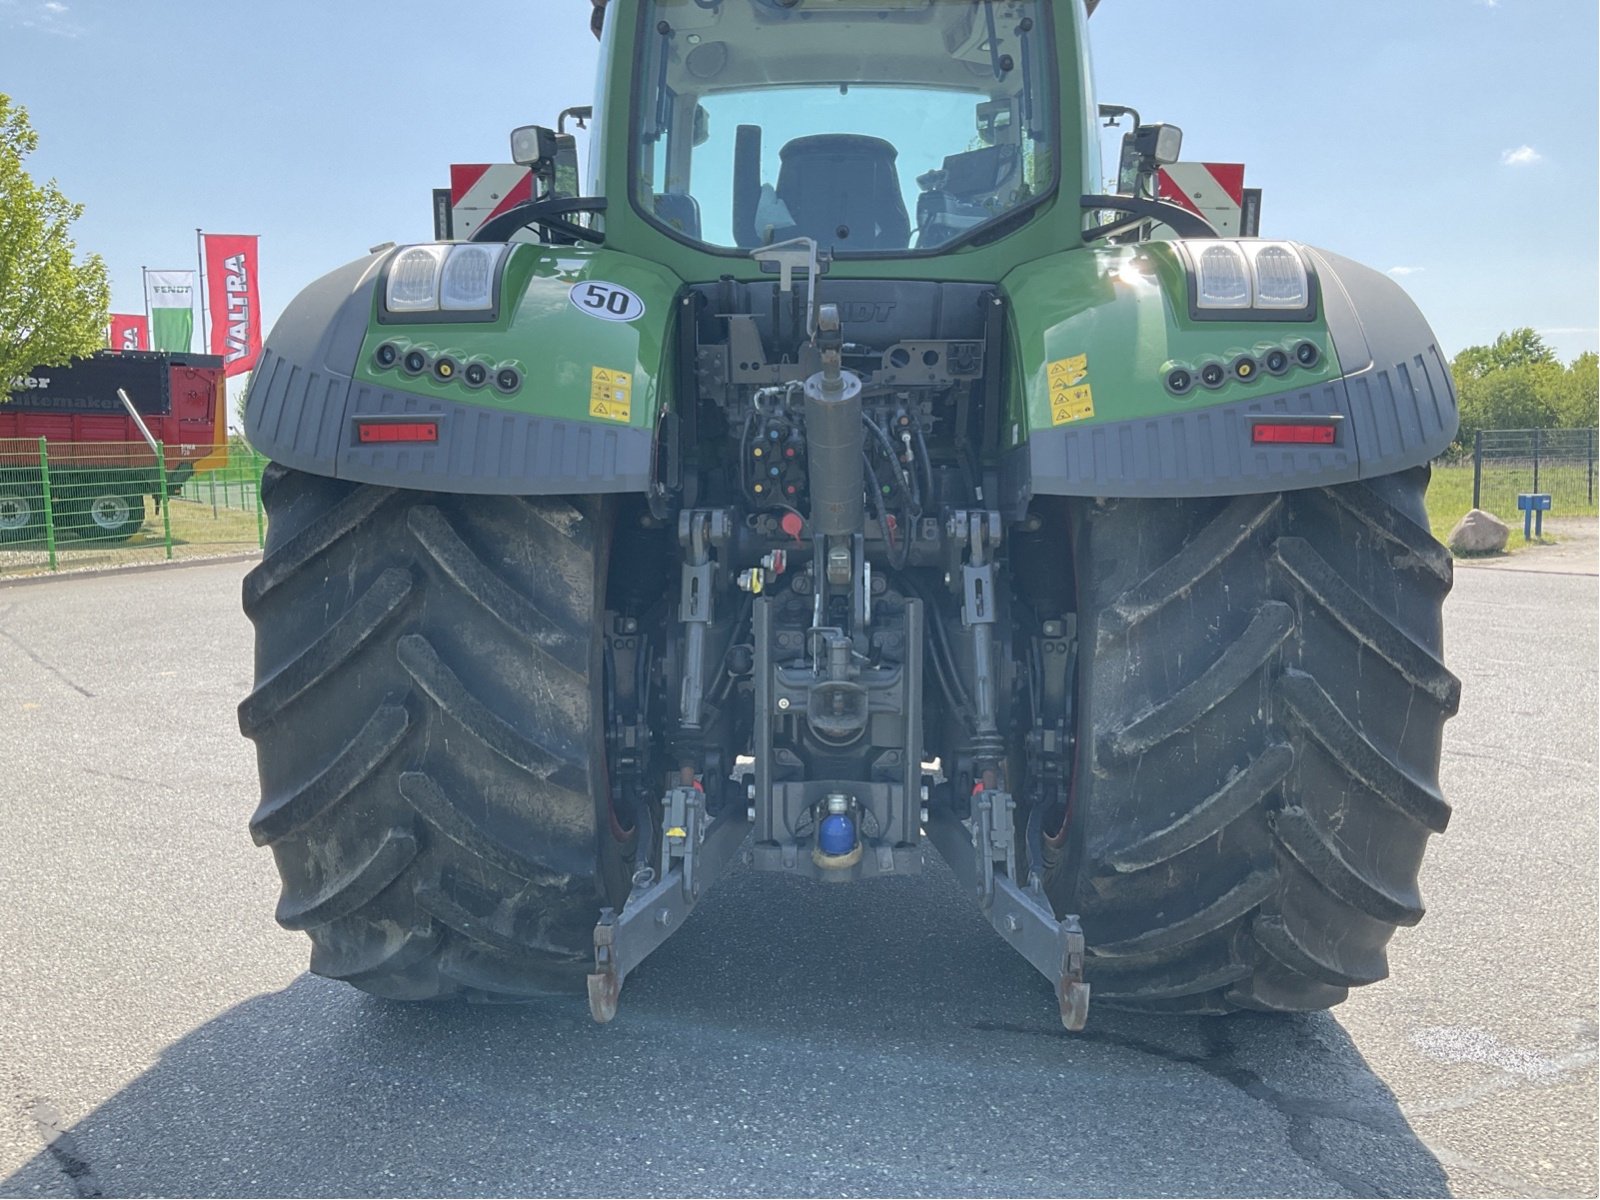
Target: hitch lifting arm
[{"x": 1022, "y": 916}]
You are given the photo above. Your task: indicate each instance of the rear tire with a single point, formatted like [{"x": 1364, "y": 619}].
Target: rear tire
[
  {"x": 21, "y": 514},
  {"x": 1261, "y": 703},
  {"x": 105, "y": 516},
  {"x": 427, "y": 724}
]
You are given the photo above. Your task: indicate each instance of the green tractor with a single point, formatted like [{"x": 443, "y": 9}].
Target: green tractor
[{"x": 832, "y": 471}]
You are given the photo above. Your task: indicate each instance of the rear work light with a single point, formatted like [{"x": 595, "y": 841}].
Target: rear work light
[
  {"x": 1313, "y": 433},
  {"x": 369, "y": 432}
]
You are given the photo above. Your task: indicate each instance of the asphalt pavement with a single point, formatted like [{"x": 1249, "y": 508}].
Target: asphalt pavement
[{"x": 159, "y": 1034}]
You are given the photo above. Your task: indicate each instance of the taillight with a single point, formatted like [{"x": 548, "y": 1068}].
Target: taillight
[
  {"x": 1308, "y": 433},
  {"x": 368, "y": 432}
]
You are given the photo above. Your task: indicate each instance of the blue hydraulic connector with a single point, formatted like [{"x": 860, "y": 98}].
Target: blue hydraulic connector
[{"x": 836, "y": 835}]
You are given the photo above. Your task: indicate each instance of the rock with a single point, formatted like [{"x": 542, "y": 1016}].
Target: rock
[{"x": 1479, "y": 533}]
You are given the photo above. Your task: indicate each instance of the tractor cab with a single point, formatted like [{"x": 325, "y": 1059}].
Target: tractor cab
[{"x": 870, "y": 128}]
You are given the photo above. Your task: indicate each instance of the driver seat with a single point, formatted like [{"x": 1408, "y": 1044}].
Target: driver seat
[{"x": 842, "y": 189}]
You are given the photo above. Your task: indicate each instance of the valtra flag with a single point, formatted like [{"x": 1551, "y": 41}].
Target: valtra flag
[
  {"x": 234, "y": 295},
  {"x": 169, "y": 295},
  {"x": 130, "y": 331}
]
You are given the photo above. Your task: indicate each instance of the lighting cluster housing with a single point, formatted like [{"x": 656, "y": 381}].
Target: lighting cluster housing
[
  {"x": 443, "y": 283},
  {"x": 1246, "y": 279},
  {"x": 417, "y": 361},
  {"x": 1181, "y": 379}
]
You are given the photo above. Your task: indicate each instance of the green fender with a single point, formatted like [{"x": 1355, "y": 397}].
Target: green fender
[
  {"x": 1096, "y": 334},
  {"x": 581, "y": 416}
]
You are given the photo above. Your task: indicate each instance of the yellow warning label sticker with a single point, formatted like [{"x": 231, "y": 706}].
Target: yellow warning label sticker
[
  {"x": 1069, "y": 372},
  {"x": 1071, "y": 398},
  {"x": 611, "y": 395}
]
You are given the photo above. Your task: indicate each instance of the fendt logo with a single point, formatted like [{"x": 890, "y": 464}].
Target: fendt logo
[
  {"x": 863, "y": 312},
  {"x": 238, "y": 307}
]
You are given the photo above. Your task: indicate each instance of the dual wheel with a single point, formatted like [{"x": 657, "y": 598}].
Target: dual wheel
[{"x": 1259, "y": 708}]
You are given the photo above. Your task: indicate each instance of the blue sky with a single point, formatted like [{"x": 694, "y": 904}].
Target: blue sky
[{"x": 1452, "y": 142}]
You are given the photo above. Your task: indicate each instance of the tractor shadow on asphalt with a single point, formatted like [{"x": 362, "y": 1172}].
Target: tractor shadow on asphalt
[{"x": 794, "y": 1039}]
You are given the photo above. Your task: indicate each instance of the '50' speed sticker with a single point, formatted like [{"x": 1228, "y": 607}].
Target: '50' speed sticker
[{"x": 608, "y": 301}]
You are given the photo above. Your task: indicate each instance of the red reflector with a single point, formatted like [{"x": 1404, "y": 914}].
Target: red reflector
[
  {"x": 1304, "y": 435},
  {"x": 394, "y": 431}
]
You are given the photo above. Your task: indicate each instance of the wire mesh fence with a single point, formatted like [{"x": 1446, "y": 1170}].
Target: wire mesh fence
[
  {"x": 1561, "y": 463},
  {"x": 66, "y": 505}
]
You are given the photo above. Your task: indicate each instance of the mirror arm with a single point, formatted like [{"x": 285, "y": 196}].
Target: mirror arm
[
  {"x": 547, "y": 214},
  {"x": 1182, "y": 222}
]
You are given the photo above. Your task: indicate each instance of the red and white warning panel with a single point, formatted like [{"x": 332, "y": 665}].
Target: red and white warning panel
[
  {"x": 478, "y": 192},
  {"x": 1216, "y": 192}
]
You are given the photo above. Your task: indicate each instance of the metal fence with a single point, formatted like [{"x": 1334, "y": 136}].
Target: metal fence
[
  {"x": 1509, "y": 462},
  {"x": 75, "y": 504}
]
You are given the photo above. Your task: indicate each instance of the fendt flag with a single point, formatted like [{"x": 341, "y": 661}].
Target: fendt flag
[
  {"x": 234, "y": 298},
  {"x": 169, "y": 295},
  {"x": 129, "y": 331}
]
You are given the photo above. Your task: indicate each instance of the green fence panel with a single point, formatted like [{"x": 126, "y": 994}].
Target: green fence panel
[{"x": 67, "y": 505}]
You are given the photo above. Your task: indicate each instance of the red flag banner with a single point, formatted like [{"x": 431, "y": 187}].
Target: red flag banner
[
  {"x": 130, "y": 331},
  {"x": 233, "y": 295}
]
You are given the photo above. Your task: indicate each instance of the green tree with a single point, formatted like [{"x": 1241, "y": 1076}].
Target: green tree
[
  {"x": 1518, "y": 348},
  {"x": 1578, "y": 401},
  {"x": 1519, "y": 397},
  {"x": 51, "y": 307}
]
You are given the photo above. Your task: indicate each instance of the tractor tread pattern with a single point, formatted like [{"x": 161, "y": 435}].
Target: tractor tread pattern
[
  {"x": 383, "y": 957},
  {"x": 1258, "y": 763},
  {"x": 1243, "y": 791},
  {"x": 284, "y": 562},
  {"x": 1275, "y": 935},
  {"x": 449, "y": 820},
  {"x": 327, "y": 654},
  {"x": 425, "y": 665},
  {"x": 294, "y": 810},
  {"x": 348, "y": 892},
  {"x": 1177, "y": 577},
  {"x": 1240, "y": 899},
  {"x": 475, "y": 579},
  {"x": 1171, "y": 984},
  {"x": 444, "y": 687},
  {"x": 1420, "y": 668},
  {"x": 1321, "y": 717},
  {"x": 1320, "y": 855},
  {"x": 1242, "y": 659}
]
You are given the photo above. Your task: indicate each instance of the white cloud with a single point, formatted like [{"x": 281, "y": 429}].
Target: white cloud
[
  {"x": 1522, "y": 156},
  {"x": 1404, "y": 271},
  {"x": 43, "y": 16}
]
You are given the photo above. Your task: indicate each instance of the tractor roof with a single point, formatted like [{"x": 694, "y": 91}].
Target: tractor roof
[{"x": 597, "y": 20}]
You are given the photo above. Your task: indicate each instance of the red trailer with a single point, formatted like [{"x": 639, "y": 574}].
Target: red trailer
[{"x": 101, "y": 465}]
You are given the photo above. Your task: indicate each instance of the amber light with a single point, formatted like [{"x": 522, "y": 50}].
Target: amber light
[
  {"x": 395, "y": 431},
  {"x": 1263, "y": 434}
]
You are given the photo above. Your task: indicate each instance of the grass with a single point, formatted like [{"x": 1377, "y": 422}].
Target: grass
[
  {"x": 198, "y": 531},
  {"x": 1450, "y": 495}
]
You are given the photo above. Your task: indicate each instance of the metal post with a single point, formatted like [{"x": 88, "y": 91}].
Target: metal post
[
  {"x": 1591, "y": 477},
  {"x": 1538, "y": 435},
  {"x": 49, "y": 508},
  {"x": 166, "y": 500},
  {"x": 1477, "y": 469},
  {"x": 205, "y": 309},
  {"x": 261, "y": 516},
  {"x": 211, "y": 478}
]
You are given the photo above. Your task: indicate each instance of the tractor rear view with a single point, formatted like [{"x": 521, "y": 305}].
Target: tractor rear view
[{"x": 842, "y": 472}]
